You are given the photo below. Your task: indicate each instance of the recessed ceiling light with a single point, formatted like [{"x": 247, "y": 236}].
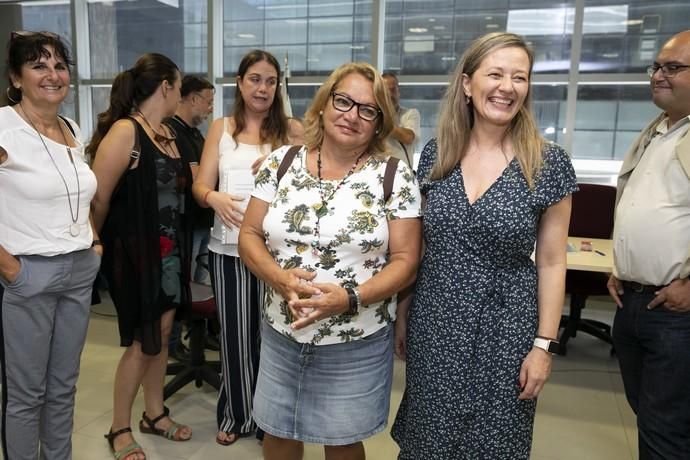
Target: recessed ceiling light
[
  {"x": 246, "y": 36},
  {"x": 418, "y": 30}
]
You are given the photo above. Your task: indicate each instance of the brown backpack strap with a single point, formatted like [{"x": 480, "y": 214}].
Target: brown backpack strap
[
  {"x": 287, "y": 161},
  {"x": 389, "y": 178}
]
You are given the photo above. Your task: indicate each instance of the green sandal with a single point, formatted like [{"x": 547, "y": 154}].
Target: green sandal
[
  {"x": 148, "y": 426},
  {"x": 125, "y": 451}
]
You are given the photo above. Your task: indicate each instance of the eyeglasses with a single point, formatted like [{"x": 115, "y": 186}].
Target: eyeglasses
[
  {"x": 669, "y": 70},
  {"x": 28, "y": 33},
  {"x": 342, "y": 103}
]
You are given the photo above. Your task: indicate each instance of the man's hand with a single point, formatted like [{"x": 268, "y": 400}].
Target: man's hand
[
  {"x": 674, "y": 297},
  {"x": 615, "y": 288}
]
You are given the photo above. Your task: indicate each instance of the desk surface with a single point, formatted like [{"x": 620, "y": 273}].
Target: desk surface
[{"x": 590, "y": 260}]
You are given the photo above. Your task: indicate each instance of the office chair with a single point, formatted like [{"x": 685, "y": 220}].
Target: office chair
[
  {"x": 197, "y": 369},
  {"x": 591, "y": 217}
]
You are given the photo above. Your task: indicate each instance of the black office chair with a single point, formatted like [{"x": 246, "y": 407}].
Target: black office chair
[
  {"x": 591, "y": 217},
  {"x": 197, "y": 369}
]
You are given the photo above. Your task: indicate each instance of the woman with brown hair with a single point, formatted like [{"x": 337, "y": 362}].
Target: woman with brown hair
[
  {"x": 49, "y": 253},
  {"x": 143, "y": 189},
  {"x": 235, "y": 147}
]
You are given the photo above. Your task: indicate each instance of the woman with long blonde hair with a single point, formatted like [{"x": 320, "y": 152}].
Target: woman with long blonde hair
[{"x": 484, "y": 318}]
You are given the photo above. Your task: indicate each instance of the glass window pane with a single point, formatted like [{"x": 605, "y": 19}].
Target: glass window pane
[
  {"x": 317, "y": 35},
  {"x": 609, "y": 118},
  {"x": 120, "y": 32},
  {"x": 625, "y": 35},
  {"x": 422, "y": 39}
]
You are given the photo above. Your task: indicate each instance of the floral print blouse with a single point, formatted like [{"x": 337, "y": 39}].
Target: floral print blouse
[{"x": 352, "y": 240}]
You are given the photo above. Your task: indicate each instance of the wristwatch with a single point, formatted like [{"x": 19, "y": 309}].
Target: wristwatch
[
  {"x": 354, "y": 301},
  {"x": 548, "y": 345}
]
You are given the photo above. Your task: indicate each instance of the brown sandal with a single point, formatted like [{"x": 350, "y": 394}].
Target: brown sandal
[
  {"x": 125, "y": 451},
  {"x": 148, "y": 426}
]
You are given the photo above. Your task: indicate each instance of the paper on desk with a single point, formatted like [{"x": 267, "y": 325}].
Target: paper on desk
[{"x": 238, "y": 182}]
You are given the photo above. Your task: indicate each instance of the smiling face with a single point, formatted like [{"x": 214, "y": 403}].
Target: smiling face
[
  {"x": 499, "y": 86},
  {"x": 44, "y": 81},
  {"x": 258, "y": 86},
  {"x": 347, "y": 129},
  {"x": 672, "y": 93}
]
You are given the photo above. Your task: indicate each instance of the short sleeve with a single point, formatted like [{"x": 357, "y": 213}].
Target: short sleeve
[
  {"x": 266, "y": 182},
  {"x": 405, "y": 200},
  {"x": 426, "y": 162},
  {"x": 557, "y": 178}
]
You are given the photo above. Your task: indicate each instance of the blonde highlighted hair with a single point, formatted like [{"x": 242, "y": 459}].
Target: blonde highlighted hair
[
  {"x": 456, "y": 117},
  {"x": 313, "y": 126}
]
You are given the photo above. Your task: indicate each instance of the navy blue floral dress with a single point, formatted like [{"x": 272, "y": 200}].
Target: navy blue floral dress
[{"x": 474, "y": 315}]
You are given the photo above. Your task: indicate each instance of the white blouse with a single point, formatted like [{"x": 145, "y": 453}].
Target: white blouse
[{"x": 35, "y": 216}]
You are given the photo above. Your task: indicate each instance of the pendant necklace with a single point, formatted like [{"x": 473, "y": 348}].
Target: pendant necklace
[
  {"x": 321, "y": 209},
  {"x": 74, "y": 228},
  {"x": 162, "y": 139}
]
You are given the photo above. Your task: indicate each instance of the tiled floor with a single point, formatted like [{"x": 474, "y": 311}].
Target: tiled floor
[{"x": 582, "y": 413}]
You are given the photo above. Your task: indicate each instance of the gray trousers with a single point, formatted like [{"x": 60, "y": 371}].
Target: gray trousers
[{"x": 45, "y": 314}]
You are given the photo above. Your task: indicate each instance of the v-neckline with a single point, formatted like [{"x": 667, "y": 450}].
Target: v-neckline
[{"x": 498, "y": 179}]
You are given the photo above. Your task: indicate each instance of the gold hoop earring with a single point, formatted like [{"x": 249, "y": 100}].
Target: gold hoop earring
[{"x": 9, "y": 98}]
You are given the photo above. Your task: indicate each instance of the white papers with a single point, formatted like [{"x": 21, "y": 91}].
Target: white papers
[{"x": 239, "y": 183}]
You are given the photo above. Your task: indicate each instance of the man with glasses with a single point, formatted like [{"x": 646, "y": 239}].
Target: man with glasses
[
  {"x": 650, "y": 285},
  {"x": 403, "y": 139},
  {"x": 194, "y": 109}
]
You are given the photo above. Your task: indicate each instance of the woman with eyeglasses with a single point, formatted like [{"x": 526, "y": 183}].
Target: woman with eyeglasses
[
  {"x": 143, "y": 190},
  {"x": 48, "y": 260},
  {"x": 235, "y": 147},
  {"x": 333, "y": 229}
]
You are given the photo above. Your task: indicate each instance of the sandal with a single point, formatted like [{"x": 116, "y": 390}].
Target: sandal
[
  {"x": 148, "y": 426},
  {"x": 125, "y": 451},
  {"x": 230, "y": 438}
]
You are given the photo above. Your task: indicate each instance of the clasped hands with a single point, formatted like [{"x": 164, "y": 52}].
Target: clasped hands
[{"x": 308, "y": 301}]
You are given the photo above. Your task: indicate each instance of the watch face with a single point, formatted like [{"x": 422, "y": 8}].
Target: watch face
[{"x": 554, "y": 347}]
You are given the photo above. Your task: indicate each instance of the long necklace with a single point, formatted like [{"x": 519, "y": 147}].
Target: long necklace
[
  {"x": 321, "y": 209},
  {"x": 162, "y": 139},
  {"x": 74, "y": 228}
]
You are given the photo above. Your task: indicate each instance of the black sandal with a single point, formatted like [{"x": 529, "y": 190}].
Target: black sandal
[
  {"x": 148, "y": 426},
  {"x": 125, "y": 451}
]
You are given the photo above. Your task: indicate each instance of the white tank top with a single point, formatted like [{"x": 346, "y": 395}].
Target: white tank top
[
  {"x": 34, "y": 210},
  {"x": 233, "y": 158}
]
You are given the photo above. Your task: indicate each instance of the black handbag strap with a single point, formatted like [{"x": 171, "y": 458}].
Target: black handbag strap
[{"x": 388, "y": 175}]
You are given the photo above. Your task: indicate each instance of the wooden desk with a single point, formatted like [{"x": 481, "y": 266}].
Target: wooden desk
[{"x": 589, "y": 260}]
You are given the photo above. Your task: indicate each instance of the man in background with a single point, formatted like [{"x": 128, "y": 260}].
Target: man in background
[
  {"x": 194, "y": 109},
  {"x": 403, "y": 140},
  {"x": 651, "y": 251}
]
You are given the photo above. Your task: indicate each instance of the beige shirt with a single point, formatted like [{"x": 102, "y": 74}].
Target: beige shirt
[
  {"x": 409, "y": 119},
  {"x": 651, "y": 235}
]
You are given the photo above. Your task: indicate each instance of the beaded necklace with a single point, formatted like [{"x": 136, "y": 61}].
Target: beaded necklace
[{"x": 321, "y": 209}]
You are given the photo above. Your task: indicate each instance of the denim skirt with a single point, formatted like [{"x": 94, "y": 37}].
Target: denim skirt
[{"x": 330, "y": 394}]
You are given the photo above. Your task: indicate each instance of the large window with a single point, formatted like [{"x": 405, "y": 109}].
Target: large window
[
  {"x": 595, "y": 112},
  {"x": 315, "y": 35},
  {"x": 119, "y": 32}
]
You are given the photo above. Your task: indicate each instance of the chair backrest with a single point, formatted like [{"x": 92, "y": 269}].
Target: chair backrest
[
  {"x": 593, "y": 210},
  {"x": 203, "y": 301}
]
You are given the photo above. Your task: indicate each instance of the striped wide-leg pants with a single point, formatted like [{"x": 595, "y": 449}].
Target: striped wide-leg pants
[{"x": 238, "y": 295}]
